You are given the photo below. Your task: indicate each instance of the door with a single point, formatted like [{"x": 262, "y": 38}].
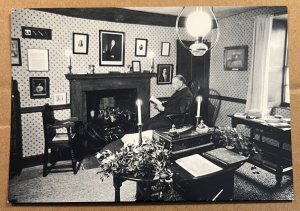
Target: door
[{"x": 195, "y": 68}]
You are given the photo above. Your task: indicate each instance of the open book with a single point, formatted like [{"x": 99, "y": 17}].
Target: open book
[
  {"x": 197, "y": 165},
  {"x": 155, "y": 100}
]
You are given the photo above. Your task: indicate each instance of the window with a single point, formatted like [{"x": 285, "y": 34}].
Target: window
[{"x": 278, "y": 91}]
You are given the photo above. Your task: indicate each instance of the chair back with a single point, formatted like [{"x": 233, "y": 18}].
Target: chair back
[
  {"x": 214, "y": 105},
  {"x": 191, "y": 110},
  {"x": 48, "y": 119}
]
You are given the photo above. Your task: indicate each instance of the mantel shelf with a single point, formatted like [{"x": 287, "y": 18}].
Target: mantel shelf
[{"x": 108, "y": 75}]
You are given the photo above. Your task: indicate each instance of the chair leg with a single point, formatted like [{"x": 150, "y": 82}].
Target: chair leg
[
  {"x": 73, "y": 160},
  {"x": 45, "y": 162}
]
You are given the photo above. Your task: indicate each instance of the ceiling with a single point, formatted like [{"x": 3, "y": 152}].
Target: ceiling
[
  {"x": 160, "y": 16},
  {"x": 220, "y": 11}
]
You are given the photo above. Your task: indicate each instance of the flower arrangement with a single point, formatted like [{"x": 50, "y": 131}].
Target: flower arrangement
[
  {"x": 149, "y": 160},
  {"x": 234, "y": 140}
]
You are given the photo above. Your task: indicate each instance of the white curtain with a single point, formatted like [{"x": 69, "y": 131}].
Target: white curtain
[{"x": 257, "y": 97}]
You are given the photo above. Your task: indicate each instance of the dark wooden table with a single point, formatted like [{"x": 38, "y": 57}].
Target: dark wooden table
[
  {"x": 275, "y": 159},
  {"x": 186, "y": 143}
]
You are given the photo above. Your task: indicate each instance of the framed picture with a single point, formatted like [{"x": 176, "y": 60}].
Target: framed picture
[
  {"x": 112, "y": 48},
  {"x": 39, "y": 87},
  {"x": 16, "y": 59},
  {"x": 80, "y": 43},
  {"x": 60, "y": 99},
  {"x": 165, "y": 48},
  {"x": 136, "y": 66},
  {"x": 38, "y": 60},
  {"x": 164, "y": 74},
  {"x": 141, "y": 47},
  {"x": 236, "y": 58}
]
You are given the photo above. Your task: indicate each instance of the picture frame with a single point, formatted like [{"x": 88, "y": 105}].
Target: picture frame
[
  {"x": 39, "y": 87},
  {"x": 60, "y": 98},
  {"x": 111, "y": 48},
  {"x": 236, "y": 58},
  {"x": 141, "y": 46},
  {"x": 136, "y": 66},
  {"x": 165, "y": 48},
  {"x": 38, "y": 60},
  {"x": 164, "y": 74},
  {"x": 80, "y": 43},
  {"x": 16, "y": 59}
]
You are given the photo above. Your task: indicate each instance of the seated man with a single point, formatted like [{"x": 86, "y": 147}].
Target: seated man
[{"x": 178, "y": 103}]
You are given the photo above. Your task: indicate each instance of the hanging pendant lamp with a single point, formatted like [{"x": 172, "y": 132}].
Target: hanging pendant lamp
[{"x": 198, "y": 24}]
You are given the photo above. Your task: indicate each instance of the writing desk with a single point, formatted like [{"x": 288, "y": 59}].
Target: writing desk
[{"x": 275, "y": 159}]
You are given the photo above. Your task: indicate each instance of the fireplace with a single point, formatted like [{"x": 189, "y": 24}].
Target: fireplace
[{"x": 88, "y": 91}]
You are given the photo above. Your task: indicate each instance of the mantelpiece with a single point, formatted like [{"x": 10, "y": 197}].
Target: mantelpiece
[{"x": 81, "y": 84}]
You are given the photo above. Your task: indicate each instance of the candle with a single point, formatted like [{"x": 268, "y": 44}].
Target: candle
[
  {"x": 70, "y": 61},
  {"x": 199, "y": 100},
  {"x": 139, "y": 108}
]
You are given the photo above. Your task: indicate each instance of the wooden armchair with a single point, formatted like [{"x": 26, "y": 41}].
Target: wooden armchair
[{"x": 57, "y": 141}]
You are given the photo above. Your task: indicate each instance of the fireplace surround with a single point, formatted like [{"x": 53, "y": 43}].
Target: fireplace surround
[{"x": 82, "y": 84}]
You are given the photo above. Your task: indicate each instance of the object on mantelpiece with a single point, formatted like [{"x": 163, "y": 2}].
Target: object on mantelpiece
[{"x": 92, "y": 69}]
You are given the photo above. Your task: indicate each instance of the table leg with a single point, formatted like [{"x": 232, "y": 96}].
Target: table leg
[{"x": 117, "y": 184}]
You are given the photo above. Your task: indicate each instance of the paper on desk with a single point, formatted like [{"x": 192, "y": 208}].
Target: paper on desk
[
  {"x": 197, "y": 165},
  {"x": 155, "y": 100},
  {"x": 133, "y": 138}
]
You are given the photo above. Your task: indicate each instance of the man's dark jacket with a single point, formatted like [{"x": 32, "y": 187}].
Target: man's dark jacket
[{"x": 179, "y": 102}]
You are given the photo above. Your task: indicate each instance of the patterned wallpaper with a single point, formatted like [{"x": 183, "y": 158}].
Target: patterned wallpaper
[
  {"x": 236, "y": 30},
  {"x": 62, "y": 32}
]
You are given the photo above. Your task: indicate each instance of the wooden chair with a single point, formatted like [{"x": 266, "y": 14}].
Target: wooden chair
[
  {"x": 214, "y": 106},
  {"x": 57, "y": 141}
]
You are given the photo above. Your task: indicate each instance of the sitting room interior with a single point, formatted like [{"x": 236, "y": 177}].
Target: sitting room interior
[{"x": 67, "y": 79}]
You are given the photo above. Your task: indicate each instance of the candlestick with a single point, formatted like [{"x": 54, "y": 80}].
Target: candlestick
[
  {"x": 197, "y": 121},
  {"x": 199, "y": 100},
  {"x": 139, "y": 109},
  {"x": 140, "y": 133}
]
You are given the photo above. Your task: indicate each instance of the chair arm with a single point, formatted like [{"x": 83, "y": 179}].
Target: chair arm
[
  {"x": 171, "y": 116},
  {"x": 58, "y": 125}
]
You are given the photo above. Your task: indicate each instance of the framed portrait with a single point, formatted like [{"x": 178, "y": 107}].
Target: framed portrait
[
  {"x": 165, "y": 48},
  {"x": 164, "y": 74},
  {"x": 39, "y": 87},
  {"x": 141, "y": 47},
  {"x": 16, "y": 59},
  {"x": 60, "y": 99},
  {"x": 112, "y": 48},
  {"x": 38, "y": 60},
  {"x": 80, "y": 43},
  {"x": 236, "y": 58},
  {"x": 136, "y": 66}
]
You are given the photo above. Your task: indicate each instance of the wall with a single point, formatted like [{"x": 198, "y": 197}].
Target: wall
[
  {"x": 235, "y": 30},
  {"x": 62, "y": 32}
]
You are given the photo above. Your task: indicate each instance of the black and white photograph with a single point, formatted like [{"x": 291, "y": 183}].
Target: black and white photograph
[
  {"x": 141, "y": 47},
  {"x": 39, "y": 87},
  {"x": 164, "y": 73},
  {"x": 16, "y": 59},
  {"x": 80, "y": 43},
  {"x": 186, "y": 131},
  {"x": 112, "y": 48}
]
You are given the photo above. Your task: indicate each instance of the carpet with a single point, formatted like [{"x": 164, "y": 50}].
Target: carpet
[{"x": 31, "y": 187}]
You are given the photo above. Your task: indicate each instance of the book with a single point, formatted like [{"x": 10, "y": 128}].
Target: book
[
  {"x": 224, "y": 156},
  {"x": 133, "y": 138},
  {"x": 197, "y": 165},
  {"x": 155, "y": 100}
]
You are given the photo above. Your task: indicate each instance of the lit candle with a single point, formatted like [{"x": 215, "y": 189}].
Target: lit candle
[
  {"x": 199, "y": 100},
  {"x": 139, "y": 108}
]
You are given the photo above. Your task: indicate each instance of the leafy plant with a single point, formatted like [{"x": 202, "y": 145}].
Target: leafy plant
[
  {"x": 149, "y": 160},
  {"x": 234, "y": 140}
]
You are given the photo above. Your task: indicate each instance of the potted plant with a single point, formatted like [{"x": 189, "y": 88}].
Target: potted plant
[{"x": 234, "y": 140}]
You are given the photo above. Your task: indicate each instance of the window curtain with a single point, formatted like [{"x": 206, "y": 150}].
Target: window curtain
[{"x": 257, "y": 96}]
